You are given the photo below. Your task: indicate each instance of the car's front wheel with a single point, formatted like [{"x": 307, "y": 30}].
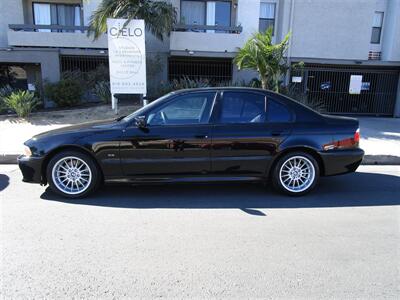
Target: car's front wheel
[
  {"x": 296, "y": 173},
  {"x": 72, "y": 174}
]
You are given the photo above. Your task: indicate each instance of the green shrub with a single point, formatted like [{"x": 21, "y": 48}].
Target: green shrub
[
  {"x": 184, "y": 82},
  {"x": 102, "y": 91},
  {"x": 66, "y": 92},
  {"x": 295, "y": 92},
  {"x": 101, "y": 73},
  {"x": 22, "y": 102},
  {"x": 5, "y": 91},
  {"x": 254, "y": 83}
]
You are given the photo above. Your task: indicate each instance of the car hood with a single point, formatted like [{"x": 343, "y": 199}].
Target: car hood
[{"x": 84, "y": 127}]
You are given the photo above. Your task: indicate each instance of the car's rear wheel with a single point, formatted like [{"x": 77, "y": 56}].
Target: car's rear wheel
[
  {"x": 72, "y": 174},
  {"x": 296, "y": 173}
]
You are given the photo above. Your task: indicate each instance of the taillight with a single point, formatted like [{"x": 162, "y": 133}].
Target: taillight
[
  {"x": 350, "y": 142},
  {"x": 357, "y": 136}
]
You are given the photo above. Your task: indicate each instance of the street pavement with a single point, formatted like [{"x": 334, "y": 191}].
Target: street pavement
[{"x": 204, "y": 241}]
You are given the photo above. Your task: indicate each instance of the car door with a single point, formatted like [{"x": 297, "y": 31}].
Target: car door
[
  {"x": 244, "y": 140},
  {"x": 175, "y": 140}
]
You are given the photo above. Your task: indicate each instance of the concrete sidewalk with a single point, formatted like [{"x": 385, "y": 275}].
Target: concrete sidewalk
[
  {"x": 380, "y": 137},
  {"x": 15, "y": 131}
]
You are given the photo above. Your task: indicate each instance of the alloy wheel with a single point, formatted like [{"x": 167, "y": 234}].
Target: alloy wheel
[
  {"x": 71, "y": 175},
  {"x": 297, "y": 174}
]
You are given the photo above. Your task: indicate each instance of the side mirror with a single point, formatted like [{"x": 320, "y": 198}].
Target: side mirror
[{"x": 140, "y": 122}]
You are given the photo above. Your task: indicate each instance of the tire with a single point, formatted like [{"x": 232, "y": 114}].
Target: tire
[
  {"x": 73, "y": 174},
  {"x": 296, "y": 174}
]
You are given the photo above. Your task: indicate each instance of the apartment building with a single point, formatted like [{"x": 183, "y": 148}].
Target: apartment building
[{"x": 335, "y": 39}]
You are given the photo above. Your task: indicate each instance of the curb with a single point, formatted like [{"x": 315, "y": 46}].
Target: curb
[
  {"x": 9, "y": 159},
  {"x": 381, "y": 160}
]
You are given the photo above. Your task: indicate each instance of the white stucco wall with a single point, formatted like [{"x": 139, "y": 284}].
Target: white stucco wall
[
  {"x": 391, "y": 32},
  {"x": 11, "y": 12},
  {"x": 338, "y": 29}
]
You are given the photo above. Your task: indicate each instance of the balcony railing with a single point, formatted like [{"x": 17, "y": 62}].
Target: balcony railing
[
  {"x": 60, "y": 36},
  {"x": 51, "y": 28},
  {"x": 208, "y": 28}
]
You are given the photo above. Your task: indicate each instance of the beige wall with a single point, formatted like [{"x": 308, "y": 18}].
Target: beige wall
[
  {"x": 338, "y": 29},
  {"x": 11, "y": 12},
  {"x": 391, "y": 33},
  {"x": 54, "y": 39}
]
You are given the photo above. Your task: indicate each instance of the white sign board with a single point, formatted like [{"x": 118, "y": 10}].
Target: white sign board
[
  {"x": 127, "y": 57},
  {"x": 355, "y": 84},
  {"x": 296, "y": 79}
]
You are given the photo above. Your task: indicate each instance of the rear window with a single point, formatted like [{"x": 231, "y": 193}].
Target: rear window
[{"x": 278, "y": 113}]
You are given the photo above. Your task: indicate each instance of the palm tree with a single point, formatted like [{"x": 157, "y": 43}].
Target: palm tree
[
  {"x": 159, "y": 16},
  {"x": 260, "y": 54}
]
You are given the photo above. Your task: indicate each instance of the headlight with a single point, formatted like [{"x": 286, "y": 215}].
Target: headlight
[{"x": 27, "y": 151}]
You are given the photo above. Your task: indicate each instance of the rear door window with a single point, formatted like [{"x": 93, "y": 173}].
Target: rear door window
[
  {"x": 242, "y": 107},
  {"x": 277, "y": 112}
]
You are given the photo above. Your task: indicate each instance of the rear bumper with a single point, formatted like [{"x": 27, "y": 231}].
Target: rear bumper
[
  {"x": 341, "y": 161},
  {"x": 31, "y": 168}
]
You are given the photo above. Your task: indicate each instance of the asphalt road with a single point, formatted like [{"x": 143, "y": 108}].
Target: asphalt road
[{"x": 203, "y": 241}]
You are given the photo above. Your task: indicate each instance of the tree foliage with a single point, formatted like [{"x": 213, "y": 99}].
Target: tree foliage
[
  {"x": 159, "y": 16},
  {"x": 266, "y": 58}
]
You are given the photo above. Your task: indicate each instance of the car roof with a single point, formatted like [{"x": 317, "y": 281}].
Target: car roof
[
  {"x": 224, "y": 88},
  {"x": 302, "y": 112}
]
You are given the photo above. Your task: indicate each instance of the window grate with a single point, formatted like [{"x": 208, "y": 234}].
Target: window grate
[
  {"x": 82, "y": 63},
  {"x": 214, "y": 70}
]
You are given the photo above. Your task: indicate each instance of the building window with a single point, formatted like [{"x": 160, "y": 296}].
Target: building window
[
  {"x": 193, "y": 12},
  {"x": 56, "y": 14},
  {"x": 267, "y": 16},
  {"x": 203, "y": 12},
  {"x": 377, "y": 28}
]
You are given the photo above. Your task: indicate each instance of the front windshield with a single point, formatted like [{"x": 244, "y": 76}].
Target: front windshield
[{"x": 143, "y": 110}]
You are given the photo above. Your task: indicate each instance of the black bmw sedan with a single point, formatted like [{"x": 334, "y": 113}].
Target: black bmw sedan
[{"x": 197, "y": 135}]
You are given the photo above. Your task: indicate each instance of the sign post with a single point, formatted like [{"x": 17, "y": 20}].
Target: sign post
[{"x": 127, "y": 58}]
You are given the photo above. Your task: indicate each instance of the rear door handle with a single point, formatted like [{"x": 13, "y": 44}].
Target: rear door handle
[
  {"x": 276, "y": 133},
  {"x": 201, "y": 136}
]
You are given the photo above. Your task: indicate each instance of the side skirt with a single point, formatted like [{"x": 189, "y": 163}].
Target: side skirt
[{"x": 157, "y": 180}]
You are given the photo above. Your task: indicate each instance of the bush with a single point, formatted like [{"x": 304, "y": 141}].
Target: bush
[
  {"x": 101, "y": 73},
  {"x": 66, "y": 92},
  {"x": 295, "y": 92},
  {"x": 102, "y": 91},
  {"x": 22, "y": 102},
  {"x": 185, "y": 83},
  {"x": 5, "y": 91}
]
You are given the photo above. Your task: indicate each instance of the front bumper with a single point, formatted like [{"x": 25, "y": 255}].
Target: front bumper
[
  {"x": 341, "y": 161},
  {"x": 31, "y": 168}
]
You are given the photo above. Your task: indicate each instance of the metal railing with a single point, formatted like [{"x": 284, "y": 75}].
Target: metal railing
[
  {"x": 205, "y": 28},
  {"x": 329, "y": 85},
  {"x": 179, "y": 27},
  {"x": 51, "y": 28}
]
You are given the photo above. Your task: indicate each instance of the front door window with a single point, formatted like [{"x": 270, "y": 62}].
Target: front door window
[{"x": 187, "y": 109}]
